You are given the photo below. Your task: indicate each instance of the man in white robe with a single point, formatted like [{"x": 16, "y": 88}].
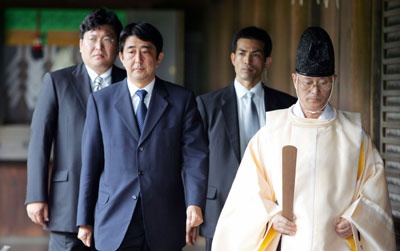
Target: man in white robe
[{"x": 340, "y": 199}]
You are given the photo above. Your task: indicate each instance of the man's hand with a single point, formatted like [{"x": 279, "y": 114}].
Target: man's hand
[
  {"x": 283, "y": 225},
  {"x": 193, "y": 220},
  {"x": 38, "y": 212},
  {"x": 85, "y": 234},
  {"x": 343, "y": 228}
]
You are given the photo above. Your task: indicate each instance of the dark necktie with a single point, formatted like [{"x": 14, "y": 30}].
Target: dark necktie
[{"x": 141, "y": 109}]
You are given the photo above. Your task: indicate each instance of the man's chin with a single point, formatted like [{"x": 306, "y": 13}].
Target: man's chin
[{"x": 315, "y": 108}]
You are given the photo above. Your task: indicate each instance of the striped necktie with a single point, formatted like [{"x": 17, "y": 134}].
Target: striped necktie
[{"x": 97, "y": 83}]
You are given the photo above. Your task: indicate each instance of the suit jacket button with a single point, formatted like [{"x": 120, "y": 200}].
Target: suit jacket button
[
  {"x": 141, "y": 173},
  {"x": 134, "y": 197},
  {"x": 141, "y": 148}
]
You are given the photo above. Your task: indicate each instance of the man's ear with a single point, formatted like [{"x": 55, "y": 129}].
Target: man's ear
[
  {"x": 294, "y": 75},
  {"x": 80, "y": 45},
  {"x": 121, "y": 57},
  {"x": 233, "y": 58},
  {"x": 160, "y": 58},
  {"x": 268, "y": 62}
]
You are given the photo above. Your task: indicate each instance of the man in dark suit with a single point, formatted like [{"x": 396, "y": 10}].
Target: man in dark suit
[
  {"x": 58, "y": 118},
  {"x": 144, "y": 156},
  {"x": 232, "y": 115}
]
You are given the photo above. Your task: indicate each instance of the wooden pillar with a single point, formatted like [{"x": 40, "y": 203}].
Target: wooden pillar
[
  {"x": 355, "y": 59},
  {"x": 278, "y": 16},
  {"x": 246, "y": 12},
  {"x": 221, "y": 29}
]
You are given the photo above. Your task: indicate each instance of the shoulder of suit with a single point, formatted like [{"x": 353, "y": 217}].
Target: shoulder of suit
[
  {"x": 273, "y": 92},
  {"x": 113, "y": 87},
  {"x": 64, "y": 71},
  {"x": 217, "y": 94},
  {"x": 173, "y": 88},
  {"x": 63, "y": 76}
]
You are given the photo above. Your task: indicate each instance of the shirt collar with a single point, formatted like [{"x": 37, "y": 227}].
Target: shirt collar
[
  {"x": 93, "y": 74},
  {"x": 241, "y": 90},
  {"x": 327, "y": 114},
  {"x": 133, "y": 88}
]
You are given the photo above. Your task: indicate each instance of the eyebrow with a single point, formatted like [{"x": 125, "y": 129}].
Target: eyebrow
[
  {"x": 143, "y": 46},
  {"x": 253, "y": 51},
  {"x": 105, "y": 35}
]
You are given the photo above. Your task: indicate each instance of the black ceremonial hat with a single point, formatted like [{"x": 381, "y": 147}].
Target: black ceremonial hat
[{"x": 315, "y": 56}]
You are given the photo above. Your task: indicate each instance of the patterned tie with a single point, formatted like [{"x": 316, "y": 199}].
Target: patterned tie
[
  {"x": 141, "y": 109},
  {"x": 251, "y": 121},
  {"x": 97, "y": 83}
]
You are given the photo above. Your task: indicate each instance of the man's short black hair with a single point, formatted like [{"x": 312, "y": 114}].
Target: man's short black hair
[
  {"x": 255, "y": 33},
  {"x": 144, "y": 31},
  {"x": 100, "y": 17}
]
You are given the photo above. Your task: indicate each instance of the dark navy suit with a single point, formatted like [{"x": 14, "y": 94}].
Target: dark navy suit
[{"x": 165, "y": 163}]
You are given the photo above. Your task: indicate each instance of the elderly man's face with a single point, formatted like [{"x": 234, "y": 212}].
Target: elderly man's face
[
  {"x": 99, "y": 48},
  {"x": 313, "y": 92}
]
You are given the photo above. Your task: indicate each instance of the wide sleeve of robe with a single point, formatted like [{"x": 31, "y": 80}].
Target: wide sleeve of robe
[{"x": 370, "y": 212}]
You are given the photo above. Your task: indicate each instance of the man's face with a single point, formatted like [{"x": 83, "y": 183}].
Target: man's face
[
  {"x": 99, "y": 48},
  {"x": 313, "y": 92},
  {"x": 249, "y": 61},
  {"x": 140, "y": 60}
]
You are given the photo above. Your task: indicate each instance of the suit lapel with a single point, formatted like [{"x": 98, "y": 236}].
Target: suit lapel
[
  {"x": 157, "y": 106},
  {"x": 123, "y": 105},
  {"x": 230, "y": 114},
  {"x": 80, "y": 83}
]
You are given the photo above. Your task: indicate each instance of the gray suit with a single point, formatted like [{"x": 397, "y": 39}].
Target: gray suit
[
  {"x": 58, "y": 118},
  {"x": 220, "y": 119}
]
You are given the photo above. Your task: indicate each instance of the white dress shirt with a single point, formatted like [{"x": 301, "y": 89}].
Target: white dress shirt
[
  {"x": 135, "y": 98},
  {"x": 327, "y": 114},
  {"x": 258, "y": 100},
  {"x": 106, "y": 76}
]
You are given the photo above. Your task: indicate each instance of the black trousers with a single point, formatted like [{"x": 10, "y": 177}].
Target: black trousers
[
  {"x": 62, "y": 241},
  {"x": 135, "y": 237},
  {"x": 208, "y": 244}
]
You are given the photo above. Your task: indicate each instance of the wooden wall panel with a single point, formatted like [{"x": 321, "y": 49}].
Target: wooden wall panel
[
  {"x": 278, "y": 27},
  {"x": 360, "y": 91},
  {"x": 13, "y": 217},
  {"x": 219, "y": 37}
]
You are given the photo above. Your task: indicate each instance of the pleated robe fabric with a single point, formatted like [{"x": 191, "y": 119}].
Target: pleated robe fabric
[{"x": 339, "y": 173}]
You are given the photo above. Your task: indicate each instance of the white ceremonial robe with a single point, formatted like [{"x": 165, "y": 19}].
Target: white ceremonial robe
[{"x": 339, "y": 173}]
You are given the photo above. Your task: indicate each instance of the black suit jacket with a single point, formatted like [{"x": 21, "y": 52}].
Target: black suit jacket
[
  {"x": 58, "y": 119},
  {"x": 220, "y": 119}
]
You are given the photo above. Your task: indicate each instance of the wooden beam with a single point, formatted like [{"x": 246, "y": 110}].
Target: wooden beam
[{"x": 63, "y": 38}]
